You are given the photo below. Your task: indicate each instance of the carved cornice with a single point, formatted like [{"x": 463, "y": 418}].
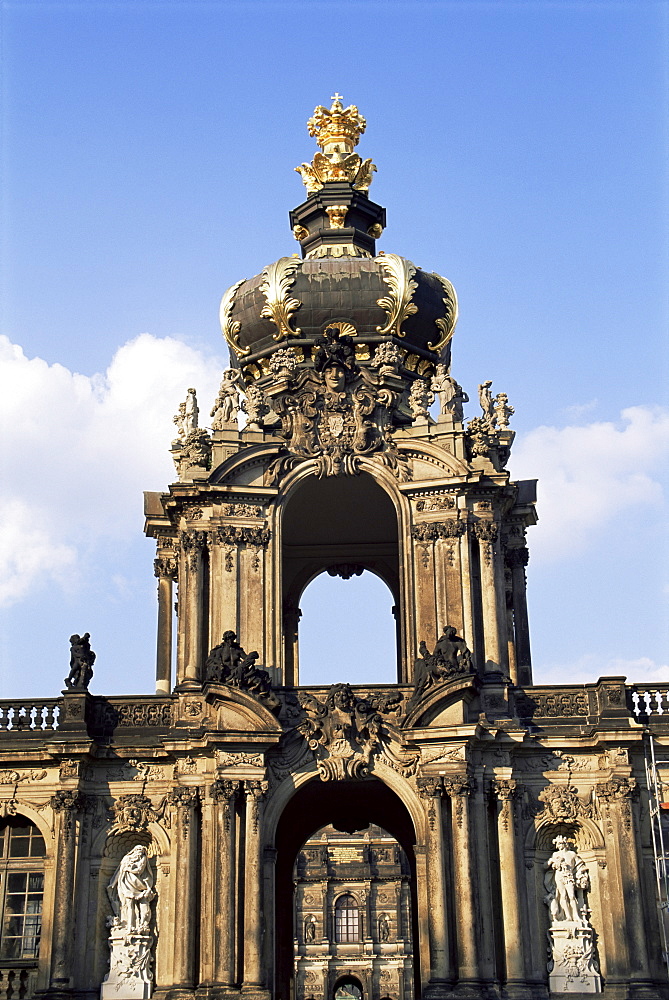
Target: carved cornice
[
  {"x": 398, "y": 275},
  {"x": 446, "y": 324},
  {"x": 230, "y": 327},
  {"x": 279, "y": 308}
]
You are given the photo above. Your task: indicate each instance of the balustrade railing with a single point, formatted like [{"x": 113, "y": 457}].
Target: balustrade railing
[
  {"x": 25, "y": 716},
  {"x": 17, "y": 983},
  {"x": 649, "y": 699}
]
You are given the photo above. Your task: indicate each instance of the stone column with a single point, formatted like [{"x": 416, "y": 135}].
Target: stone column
[
  {"x": 165, "y": 568},
  {"x": 441, "y": 971},
  {"x": 486, "y": 532},
  {"x": 223, "y": 793},
  {"x": 254, "y": 792},
  {"x": 191, "y": 606},
  {"x": 617, "y": 794},
  {"x": 505, "y": 791},
  {"x": 481, "y": 856},
  {"x": 459, "y": 788},
  {"x": 66, "y": 805},
  {"x": 184, "y": 801},
  {"x": 516, "y": 560}
]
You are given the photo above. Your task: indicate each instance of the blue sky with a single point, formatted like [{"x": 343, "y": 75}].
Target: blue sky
[{"x": 147, "y": 160}]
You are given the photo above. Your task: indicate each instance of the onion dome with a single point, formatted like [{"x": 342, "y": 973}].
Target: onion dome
[{"x": 339, "y": 281}]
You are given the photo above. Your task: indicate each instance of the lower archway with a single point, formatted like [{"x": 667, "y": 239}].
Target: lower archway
[{"x": 348, "y": 806}]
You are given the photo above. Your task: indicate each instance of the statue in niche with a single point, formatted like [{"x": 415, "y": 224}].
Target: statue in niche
[
  {"x": 573, "y": 964},
  {"x": 226, "y": 407},
  {"x": 450, "y": 658},
  {"x": 82, "y": 659},
  {"x": 384, "y": 927},
  {"x": 229, "y": 664},
  {"x": 131, "y": 891},
  {"x": 566, "y": 881},
  {"x": 310, "y": 929},
  {"x": 130, "y": 939}
]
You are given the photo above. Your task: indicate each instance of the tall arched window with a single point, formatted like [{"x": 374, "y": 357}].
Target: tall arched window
[
  {"x": 347, "y": 920},
  {"x": 22, "y": 853}
]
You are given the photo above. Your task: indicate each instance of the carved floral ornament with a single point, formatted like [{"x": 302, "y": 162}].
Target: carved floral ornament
[{"x": 279, "y": 307}]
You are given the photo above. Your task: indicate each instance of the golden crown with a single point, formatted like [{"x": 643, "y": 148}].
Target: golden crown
[{"x": 338, "y": 124}]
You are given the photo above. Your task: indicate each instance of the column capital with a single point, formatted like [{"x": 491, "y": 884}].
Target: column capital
[
  {"x": 430, "y": 787},
  {"x": 458, "y": 785},
  {"x": 256, "y": 789},
  {"x": 165, "y": 566},
  {"x": 223, "y": 790},
  {"x": 618, "y": 789}
]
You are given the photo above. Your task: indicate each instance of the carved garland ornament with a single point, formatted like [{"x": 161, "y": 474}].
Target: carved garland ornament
[
  {"x": 231, "y": 327},
  {"x": 277, "y": 280},
  {"x": 398, "y": 275}
]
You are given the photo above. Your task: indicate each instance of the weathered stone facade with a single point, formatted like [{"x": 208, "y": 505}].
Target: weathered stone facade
[{"x": 524, "y": 813}]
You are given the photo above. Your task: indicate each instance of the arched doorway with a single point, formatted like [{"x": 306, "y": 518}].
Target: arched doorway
[
  {"x": 344, "y": 525},
  {"x": 348, "y": 806}
]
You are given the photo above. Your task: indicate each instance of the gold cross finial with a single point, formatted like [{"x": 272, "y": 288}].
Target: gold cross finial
[{"x": 337, "y": 97}]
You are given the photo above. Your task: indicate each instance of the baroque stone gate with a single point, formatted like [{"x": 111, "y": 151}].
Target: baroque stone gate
[{"x": 156, "y": 837}]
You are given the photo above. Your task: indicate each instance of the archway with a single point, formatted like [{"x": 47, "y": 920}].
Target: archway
[
  {"x": 348, "y": 806},
  {"x": 342, "y": 524},
  {"x": 347, "y": 631}
]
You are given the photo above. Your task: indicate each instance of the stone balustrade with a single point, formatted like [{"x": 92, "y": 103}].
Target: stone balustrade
[
  {"x": 649, "y": 699},
  {"x": 26, "y": 716}
]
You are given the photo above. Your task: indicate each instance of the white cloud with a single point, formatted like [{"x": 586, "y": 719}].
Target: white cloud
[
  {"x": 590, "y": 474},
  {"x": 587, "y": 668},
  {"x": 78, "y": 451}
]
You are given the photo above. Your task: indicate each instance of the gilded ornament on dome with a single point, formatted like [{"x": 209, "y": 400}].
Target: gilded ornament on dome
[
  {"x": 398, "y": 275},
  {"x": 277, "y": 280},
  {"x": 230, "y": 327},
  {"x": 337, "y": 215},
  {"x": 336, "y": 131},
  {"x": 446, "y": 324}
]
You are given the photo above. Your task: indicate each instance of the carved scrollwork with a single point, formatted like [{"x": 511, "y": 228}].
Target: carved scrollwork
[
  {"x": 230, "y": 327},
  {"x": 398, "y": 275},
  {"x": 445, "y": 324},
  {"x": 279, "y": 308},
  {"x": 345, "y": 732}
]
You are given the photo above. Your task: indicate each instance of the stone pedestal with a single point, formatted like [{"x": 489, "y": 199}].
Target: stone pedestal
[
  {"x": 573, "y": 967},
  {"x": 130, "y": 976}
]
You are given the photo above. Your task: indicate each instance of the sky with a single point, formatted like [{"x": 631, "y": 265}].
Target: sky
[{"x": 147, "y": 164}]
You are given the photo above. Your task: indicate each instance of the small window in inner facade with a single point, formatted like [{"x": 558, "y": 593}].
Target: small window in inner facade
[
  {"x": 347, "y": 920},
  {"x": 22, "y": 852}
]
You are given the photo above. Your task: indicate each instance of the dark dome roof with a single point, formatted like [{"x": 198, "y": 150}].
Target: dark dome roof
[{"x": 292, "y": 302}]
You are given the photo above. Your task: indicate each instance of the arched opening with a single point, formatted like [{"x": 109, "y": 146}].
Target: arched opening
[
  {"x": 368, "y": 828},
  {"x": 343, "y": 525},
  {"x": 352, "y": 909},
  {"x": 347, "y": 631}
]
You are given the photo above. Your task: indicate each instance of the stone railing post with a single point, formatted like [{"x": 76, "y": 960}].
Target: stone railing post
[
  {"x": 441, "y": 971},
  {"x": 254, "y": 792},
  {"x": 514, "y": 952},
  {"x": 459, "y": 788},
  {"x": 66, "y": 805},
  {"x": 165, "y": 569},
  {"x": 184, "y": 801}
]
